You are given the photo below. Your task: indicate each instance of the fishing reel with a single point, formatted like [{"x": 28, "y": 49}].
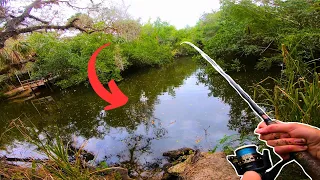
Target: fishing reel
[{"x": 247, "y": 158}]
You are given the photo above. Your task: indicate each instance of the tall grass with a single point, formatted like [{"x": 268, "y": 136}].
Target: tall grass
[
  {"x": 296, "y": 95},
  {"x": 59, "y": 165}
]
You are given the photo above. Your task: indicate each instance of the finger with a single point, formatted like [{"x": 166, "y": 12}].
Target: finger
[
  {"x": 286, "y": 141},
  {"x": 251, "y": 175},
  {"x": 285, "y": 156},
  {"x": 275, "y": 128},
  {"x": 277, "y": 121},
  {"x": 289, "y": 148},
  {"x": 262, "y": 124},
  {"x": 273, "y": 136}
]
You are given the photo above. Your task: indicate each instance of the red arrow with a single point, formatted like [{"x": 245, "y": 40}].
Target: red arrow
[{"x": 116, "y": 98}]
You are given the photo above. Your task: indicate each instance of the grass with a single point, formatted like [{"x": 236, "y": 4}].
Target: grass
[
  {"x": 296, "y": 96},
  {"x": 59, "y": 165},
  {"x": 229, "y": 143}
]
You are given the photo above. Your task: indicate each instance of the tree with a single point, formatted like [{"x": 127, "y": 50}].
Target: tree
[
  {"x": 17, "y": 20},
  {"x": 252, "y": 31},
  {"x": 15, "y": 56}
]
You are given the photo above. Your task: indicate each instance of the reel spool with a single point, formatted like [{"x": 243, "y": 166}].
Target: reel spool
[{"x": 247, "y": 158}]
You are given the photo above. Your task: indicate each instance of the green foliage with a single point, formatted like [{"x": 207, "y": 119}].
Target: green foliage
[
  {"x": 68, "y": 58},
  {"x": 150, "y": 48},
  {"x": 236, "y": 65},
  {"x": 117, "y": 176},
  {"x": 296, "y": 97},
  {"x": 103, "y": 164},
  {"x": 254, "y": 32},
  {"x": 14, "y": 55},
  {"x": 229, "y": 143}
]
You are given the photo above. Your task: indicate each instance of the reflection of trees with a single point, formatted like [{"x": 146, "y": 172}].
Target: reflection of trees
[
  {"x": 153, "y": 83},
  {"x": 241, "y": 116},
  {"x": 79, "y": 109},
  {"x": 138, "y": 145}
]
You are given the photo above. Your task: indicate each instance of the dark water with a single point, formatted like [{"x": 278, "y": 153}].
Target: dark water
[{"x": 169, "y": 107}]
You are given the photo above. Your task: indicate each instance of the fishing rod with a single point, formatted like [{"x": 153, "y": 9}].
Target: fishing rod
[{"x": 309, "y": 164}]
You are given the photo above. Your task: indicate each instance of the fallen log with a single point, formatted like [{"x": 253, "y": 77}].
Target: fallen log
[{"x": 13, "y": 159}]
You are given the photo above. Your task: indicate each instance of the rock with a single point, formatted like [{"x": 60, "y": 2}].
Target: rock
[
  {"x": 167, "y": 176},
  {"x": 196, "y": 156},
  {"x": 117, "y": 171},
  {"x": 166, "y": 166},
  {"x": 175, "y": 154},
  {"x": 190, "y": 165},
  {"x": 201, "y": 166},
  {"x": 151, "y": 175},
  {"x": 134, "y": 174},
  {"x": 179, "y": 168}
]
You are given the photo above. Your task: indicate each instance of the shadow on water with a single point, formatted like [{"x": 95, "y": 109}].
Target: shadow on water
[{"x": 169, "y": 107}]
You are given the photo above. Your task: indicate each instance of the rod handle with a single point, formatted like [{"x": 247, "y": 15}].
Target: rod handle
[{"x": 310, "y": 164}]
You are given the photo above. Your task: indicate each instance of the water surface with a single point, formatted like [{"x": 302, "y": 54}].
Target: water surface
[{"x": 170, "y": 107}]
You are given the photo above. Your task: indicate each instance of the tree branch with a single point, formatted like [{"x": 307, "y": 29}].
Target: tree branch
[
  {"x": 38, "y": 19},
  {"x": 23, "y": 159},
  {"x": 34, "y": 28},
  {"x": 8, "y": 34},
  {"x": 266, "y": 47},
  {"x": 13, "y": 23}
]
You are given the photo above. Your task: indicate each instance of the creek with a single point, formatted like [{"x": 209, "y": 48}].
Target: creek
[{"x": 170, "y": 107}]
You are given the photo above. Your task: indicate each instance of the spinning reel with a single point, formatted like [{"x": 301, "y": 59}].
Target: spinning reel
[{"x": 247, "y": 158}]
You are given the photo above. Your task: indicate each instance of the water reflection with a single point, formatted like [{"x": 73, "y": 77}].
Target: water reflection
[
  {"x": 242, "y": 118},
  {"x": 169, "y": 107}
]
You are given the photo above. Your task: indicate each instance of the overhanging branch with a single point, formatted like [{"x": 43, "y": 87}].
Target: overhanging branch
[
  {"x": 10, "y": 33},
  {"x": 38, "y": 19},
  {"x": 15, "y": 22},
  {"x": 34, "y": 28}
]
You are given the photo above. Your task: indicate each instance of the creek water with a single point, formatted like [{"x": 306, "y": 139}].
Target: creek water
[{"x": 169, "y": 107}]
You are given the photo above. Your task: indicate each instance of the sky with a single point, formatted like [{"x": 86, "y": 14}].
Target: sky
[{"x": 179, "y": 13}]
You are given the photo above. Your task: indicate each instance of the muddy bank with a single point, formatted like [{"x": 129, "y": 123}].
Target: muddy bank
[{"x": 188, "y": 164}]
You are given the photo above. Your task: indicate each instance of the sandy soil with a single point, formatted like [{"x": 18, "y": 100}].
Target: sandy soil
[{"x": 210, "y": 167}]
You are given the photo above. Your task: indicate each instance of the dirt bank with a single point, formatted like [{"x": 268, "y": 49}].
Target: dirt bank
[{"x": 198, "y": 165}]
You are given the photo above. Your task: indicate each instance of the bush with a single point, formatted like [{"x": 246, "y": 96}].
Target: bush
[
  {"x": 68, "y": 58},
  {"x": 254, "y": 32}
]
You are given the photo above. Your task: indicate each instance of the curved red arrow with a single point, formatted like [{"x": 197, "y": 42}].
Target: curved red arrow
[{"x": 116, "y": 98}]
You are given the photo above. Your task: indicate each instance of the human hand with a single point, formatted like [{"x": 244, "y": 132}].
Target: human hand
[{"x": 290, "y": 137}]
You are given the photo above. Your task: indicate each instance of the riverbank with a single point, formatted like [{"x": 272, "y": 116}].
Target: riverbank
[
  {"x": 188, "y": 164},
  {"x": 184, "y": 163}
]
